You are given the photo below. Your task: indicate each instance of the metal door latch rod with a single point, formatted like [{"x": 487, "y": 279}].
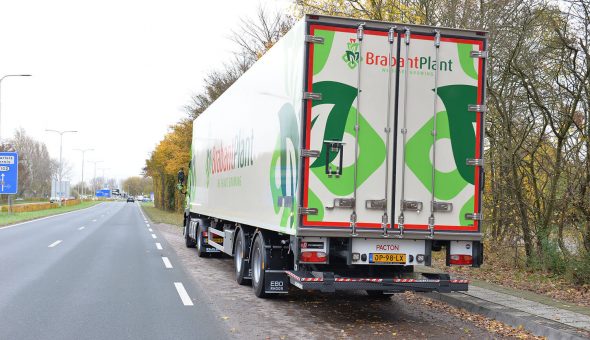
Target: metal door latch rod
[
  {"x": 431, "y": 220},
  {"x": 404, "y": 131},
  {"x": 360, "y": 32}
]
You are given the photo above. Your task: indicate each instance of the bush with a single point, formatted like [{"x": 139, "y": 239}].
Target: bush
[
  {"x": 579, "y": 270},
  {"x": 551, "y": 259}
]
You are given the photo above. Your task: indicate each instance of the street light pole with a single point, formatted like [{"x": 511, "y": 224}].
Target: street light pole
[
  {"x": 6, "y": 76},
  {"x": 83, "y": 152},
  {"x": 61, "y": 136},
  {"x": 94, "y": 179}
]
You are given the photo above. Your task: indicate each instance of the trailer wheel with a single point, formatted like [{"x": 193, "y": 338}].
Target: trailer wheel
[
  {"x": 257, "y": 265},
  {"x": 188, "y": 241},
  {"x": 240, "y": 259},
  {"x": 200, "y": 249}
]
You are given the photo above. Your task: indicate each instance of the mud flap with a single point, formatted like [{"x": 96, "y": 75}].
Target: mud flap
[{"x": 276, "y": 282}]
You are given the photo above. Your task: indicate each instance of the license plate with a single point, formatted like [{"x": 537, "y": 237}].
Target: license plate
[
  {"x": 218, "y": 240},
  {"x": 387, "y": 258}
]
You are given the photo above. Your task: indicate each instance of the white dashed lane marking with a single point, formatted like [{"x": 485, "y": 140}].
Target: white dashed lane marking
[
  {"x": 154, "y": 236},
  {"x": 81, "y": 228},
  {"x": 186, "y": 300},
  {"x": 158, "y": 246},
  {"x": 54, "y": 244},
  {"x": 150, "y": 229},
  {"x": 166, "y": 261}
]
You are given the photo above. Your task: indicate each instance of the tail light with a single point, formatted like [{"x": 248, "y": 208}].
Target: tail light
[
  {"x": 461, "y": 260},
  {"x": 313, "y": 257},
  {"x": 204, "y": 234}
]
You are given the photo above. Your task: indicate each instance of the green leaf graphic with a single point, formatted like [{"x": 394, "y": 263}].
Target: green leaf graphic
[{"x": 321, "y": 52}]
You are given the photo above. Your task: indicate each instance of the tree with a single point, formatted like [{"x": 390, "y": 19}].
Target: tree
[
  {"x": 137, "y": 185},
  {"x": 253, "y": 38},
  {"x": 36, "y": 168}
]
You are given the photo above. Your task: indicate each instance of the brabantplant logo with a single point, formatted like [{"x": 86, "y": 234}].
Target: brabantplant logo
[
  {"x": 352, "y": 55},
  {"x": 224, "y": 157}
]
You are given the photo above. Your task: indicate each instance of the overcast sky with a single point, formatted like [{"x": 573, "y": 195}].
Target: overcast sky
[{"x": 118, "y": 71}]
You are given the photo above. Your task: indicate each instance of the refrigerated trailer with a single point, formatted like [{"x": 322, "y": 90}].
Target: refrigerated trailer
[{"x": 343, "y": 158}]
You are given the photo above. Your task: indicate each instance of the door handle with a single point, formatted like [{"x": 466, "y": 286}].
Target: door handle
[{"x": 336, "y": 149}]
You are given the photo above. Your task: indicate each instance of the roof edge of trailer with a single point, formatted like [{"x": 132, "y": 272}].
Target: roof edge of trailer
[{"x": 386, "y": 25}]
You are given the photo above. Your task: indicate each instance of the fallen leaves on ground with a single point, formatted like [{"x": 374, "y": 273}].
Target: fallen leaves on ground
[{"x": 480, "y": 321}]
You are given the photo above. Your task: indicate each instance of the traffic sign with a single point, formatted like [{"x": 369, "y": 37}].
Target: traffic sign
[
  {"x": 103, "y": 193},
  {"x": 8, "y": 172}
]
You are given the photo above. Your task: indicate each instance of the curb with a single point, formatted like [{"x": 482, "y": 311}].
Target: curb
[{"x": 536, "y": 325}]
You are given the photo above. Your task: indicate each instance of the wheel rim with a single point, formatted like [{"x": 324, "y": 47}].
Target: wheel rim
[
  {"x": 257, "y": 264},
  {"x": 238, "y": 257}
]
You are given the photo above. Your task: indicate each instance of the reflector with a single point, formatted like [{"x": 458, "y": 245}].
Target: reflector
[{"x": 461, "y": 260}]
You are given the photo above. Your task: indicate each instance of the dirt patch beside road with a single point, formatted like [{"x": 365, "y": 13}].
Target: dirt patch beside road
[{"x": 312, "y": 315}]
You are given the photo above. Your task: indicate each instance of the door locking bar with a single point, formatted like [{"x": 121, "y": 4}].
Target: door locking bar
[
  {"x": 434, "y": 109},
  {"x": 360, "y": 33},
  {"x": 404, "y": 131},
  {"x": 343, "y": 203}
]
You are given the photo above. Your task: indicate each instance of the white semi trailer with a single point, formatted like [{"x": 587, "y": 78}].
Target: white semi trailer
[{"x": 343, "y": 158}]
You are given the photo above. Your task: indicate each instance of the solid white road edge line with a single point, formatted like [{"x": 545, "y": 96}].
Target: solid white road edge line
[
  {"x": 48, "y": 217},
  {"x": 54, "y": 244},
  {"x": 154, "y": 236},
  {"x": 167, "y": 263},
  {"x": 158, "y": 246},
  {"x": 186, "y": 300}
]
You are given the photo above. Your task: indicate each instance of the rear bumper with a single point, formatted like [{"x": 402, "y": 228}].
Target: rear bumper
[{"x": 326, "y": 282}]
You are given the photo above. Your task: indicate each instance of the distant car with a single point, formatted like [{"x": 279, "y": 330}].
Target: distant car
[{"x": 130, "y": 199}]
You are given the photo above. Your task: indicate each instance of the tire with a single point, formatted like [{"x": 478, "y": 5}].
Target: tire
[
  {"x": 240, "y": 259},
  {"x": 200, "y": 247},
  {"x": 257, "y": 264},
  {"x": 188, "y": 241}
]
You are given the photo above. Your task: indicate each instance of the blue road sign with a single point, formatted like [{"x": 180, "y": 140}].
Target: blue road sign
[
  {"x": 8, "y": 172},
  {"x": 103, "y": 193}
]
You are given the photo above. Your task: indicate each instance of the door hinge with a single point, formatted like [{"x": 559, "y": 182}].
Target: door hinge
[
  {"x": 476, "y": 108},
  {"x": 312, "y": 95},
  {"x": 310, "y": 153},
  {"x": 474, "y": 216},
  {"x": 474, "y": 161},
  {"x": 412, "y": 206},
  {"x": 308, "y": 211},
  {"x": 478, "y": 54},
  {"x": 314, "y": 39},
  {"x": 442, "y": 206},
  {"x": 376, "y": 204}
]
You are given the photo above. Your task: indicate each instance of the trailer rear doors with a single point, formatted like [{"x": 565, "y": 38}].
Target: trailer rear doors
[{"x": 385, "y": 106}]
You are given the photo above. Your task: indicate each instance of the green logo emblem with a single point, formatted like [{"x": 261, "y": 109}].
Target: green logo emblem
[{"x": 352, "y": 56}]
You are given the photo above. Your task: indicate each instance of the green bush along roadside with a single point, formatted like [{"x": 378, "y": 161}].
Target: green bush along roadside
[{"x": 7, "y": 219}]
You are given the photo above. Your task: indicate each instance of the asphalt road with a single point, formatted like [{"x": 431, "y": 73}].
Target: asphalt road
[
  {"x": 98, "y": 274},
  {"x": 313, "y": 315}
]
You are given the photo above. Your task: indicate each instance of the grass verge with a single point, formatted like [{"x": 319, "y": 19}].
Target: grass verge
[
  {"x": 161, "y": 216},
  {"x": 7, "y": 219}
]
